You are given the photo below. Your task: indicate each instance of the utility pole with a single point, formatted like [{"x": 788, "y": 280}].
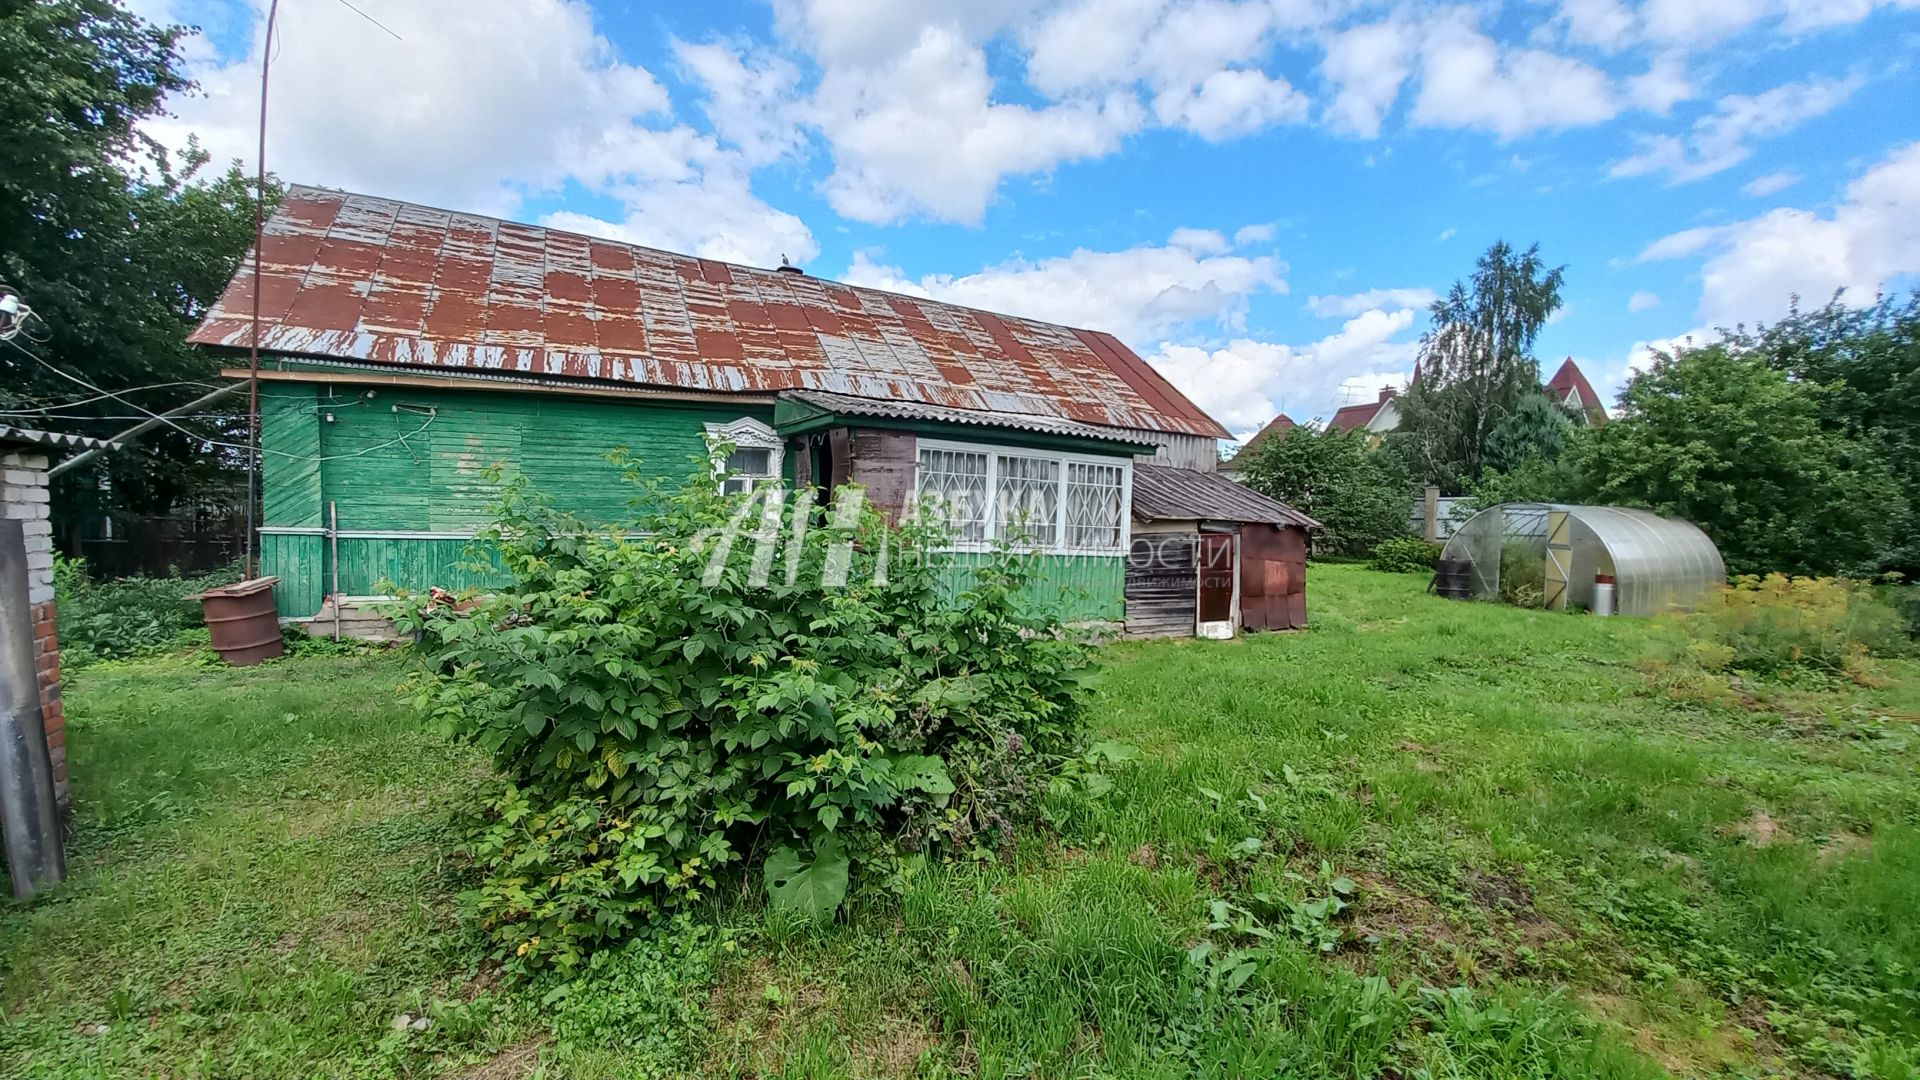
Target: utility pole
[{"x": 28, "y": 815}]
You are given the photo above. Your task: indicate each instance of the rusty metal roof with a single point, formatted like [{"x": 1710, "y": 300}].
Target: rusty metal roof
[
  {"x": 57, "y": 440},
  {"x": 844, "y": 405},
  {"x": 1164, "y": 493},
  {"x": 361, "y": 278}
]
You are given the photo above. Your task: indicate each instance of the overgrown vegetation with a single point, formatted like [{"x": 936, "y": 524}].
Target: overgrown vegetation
[
  {"x": 1531, "y": 859},
  {"x": 1777, "y": 624},
  {"x": 136, "y": 616},
  {"x": 1405, "y": 555},
  {"x": 664, "y": 721}
]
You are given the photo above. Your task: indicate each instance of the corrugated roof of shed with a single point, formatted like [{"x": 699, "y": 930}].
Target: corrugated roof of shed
[
  {"x": 362, "y": 278},
  {"x": 1164, "y": 493},
  {"x": 59, "y": 440},
  {"x": 845, "y": 405}
]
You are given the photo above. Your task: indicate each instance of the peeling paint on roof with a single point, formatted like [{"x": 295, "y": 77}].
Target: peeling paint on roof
[{"x": 359, "y": 278}]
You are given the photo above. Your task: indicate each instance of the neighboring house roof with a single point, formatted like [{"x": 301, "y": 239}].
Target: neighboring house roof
[
  {"x": 57, "y": 440},
  {"x": 845, "y": 405},
  {"x": 361, "y": 278},
  {"x": 1275, "y": 428},
  {"x": 1570, "y": 386},
  {"x": 1164, "y": 493},
  {"x": 1354, "y": 416}
]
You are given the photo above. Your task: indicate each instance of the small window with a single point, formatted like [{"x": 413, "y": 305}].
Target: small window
[
  {"x": 754, "y": 457},
  {"x": 1094, "y": 514},
  {"x": 954, "y": 484},
  {"x": 1027, "y": 503},
  {"x": 745, "y": 470}
]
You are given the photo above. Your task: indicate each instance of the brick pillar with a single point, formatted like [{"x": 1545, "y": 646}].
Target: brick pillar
[{"x": 23, "y": 497}]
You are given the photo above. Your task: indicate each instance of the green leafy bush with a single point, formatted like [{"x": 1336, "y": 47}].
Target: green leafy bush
[
  {"x": 133, "y": 616},
  {"x": 657, "y": 731},
  {"x": 1405, "y": 555},
  {"x": 1778, "y": 623}
]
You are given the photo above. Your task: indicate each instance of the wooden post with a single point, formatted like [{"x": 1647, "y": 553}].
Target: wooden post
[
  {"x": 1432, "y": 514},
  {"x": 28, "y": 813}
]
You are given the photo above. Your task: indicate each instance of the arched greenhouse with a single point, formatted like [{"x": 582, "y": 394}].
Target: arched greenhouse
[{"x": 1551, "y": 556}]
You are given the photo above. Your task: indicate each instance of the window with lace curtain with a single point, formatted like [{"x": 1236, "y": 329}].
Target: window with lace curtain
[{"x": 1055, "y": 502}]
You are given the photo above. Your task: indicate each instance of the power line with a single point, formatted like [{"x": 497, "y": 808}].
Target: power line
[
  {"x": 398, "y": 440},
  {"x": 75, "y": 403}
]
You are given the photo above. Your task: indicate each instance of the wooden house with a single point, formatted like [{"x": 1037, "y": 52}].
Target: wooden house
[{"x": 407, "y": 350}]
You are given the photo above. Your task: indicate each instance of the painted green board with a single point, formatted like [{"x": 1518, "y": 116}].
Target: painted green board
[{"x": 1082, "y": 587}]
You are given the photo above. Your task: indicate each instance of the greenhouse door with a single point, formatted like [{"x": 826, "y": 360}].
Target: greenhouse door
[{"x": 1559, "y": 558}]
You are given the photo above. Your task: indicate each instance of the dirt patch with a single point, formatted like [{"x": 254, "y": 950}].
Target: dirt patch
[
  {"x": 1761, "y": 830},
  {"x": 1845, "y": 845},
  {"x": 897, "y": 1048},
  {"x": 513, "y": 1063},
  {"x": 1496, "y": 891},
  {"x": 1146, "y": 856}
]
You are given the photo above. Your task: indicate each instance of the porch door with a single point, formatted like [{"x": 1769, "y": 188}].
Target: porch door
[{"x": 1216, "y": 579}]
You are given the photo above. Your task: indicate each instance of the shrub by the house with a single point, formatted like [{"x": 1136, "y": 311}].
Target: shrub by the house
[{"x": 657, "y": 733}]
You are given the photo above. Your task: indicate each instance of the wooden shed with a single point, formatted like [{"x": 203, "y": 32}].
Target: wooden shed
[{"x": 1210, "y": 557}]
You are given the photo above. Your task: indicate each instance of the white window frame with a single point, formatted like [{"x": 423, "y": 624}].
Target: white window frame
[
  {"x": 746, "y": 433},
  {"x": 1058, "y": 544}
]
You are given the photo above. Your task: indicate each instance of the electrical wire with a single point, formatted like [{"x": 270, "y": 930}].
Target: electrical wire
[
  {"x": 77, "y": 402},
  {"x": 432, "y": 415}
]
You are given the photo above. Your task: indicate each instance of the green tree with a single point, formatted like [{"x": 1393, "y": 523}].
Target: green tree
[
  {"x": 116, "y": 245},
  {"x": 1867, "y": 360},
  {"x": 1718, "y": 437},
  {"x": 1538, "y": 428},
  {"x": 1338, "y": 478},
  {"x": 1476, "y": 363}
]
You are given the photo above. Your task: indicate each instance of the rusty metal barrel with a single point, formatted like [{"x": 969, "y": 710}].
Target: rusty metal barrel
[
  {"x": 243, "y": 621},
  {"x": 1453, "y": 579}
]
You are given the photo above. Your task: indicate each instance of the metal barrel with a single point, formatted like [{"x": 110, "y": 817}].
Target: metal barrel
[
  {"x": 243, "y": 621},
  {"x": 1453, "y": 579}
]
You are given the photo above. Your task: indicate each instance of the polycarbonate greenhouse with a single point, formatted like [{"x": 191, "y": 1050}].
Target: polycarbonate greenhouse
[{"x": 1550, "y": 555}]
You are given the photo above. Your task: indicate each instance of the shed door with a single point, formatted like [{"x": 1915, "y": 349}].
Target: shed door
[{"x": 1216, "y": 578}]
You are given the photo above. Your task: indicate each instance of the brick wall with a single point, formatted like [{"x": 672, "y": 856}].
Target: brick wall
[{"x": 23, "y": 496}]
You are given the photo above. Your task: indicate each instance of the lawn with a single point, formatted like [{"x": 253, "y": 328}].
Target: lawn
[{"x": 1463, "y": 839}]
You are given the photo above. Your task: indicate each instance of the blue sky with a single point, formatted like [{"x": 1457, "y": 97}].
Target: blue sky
[{"x": 1258, "y": 195}]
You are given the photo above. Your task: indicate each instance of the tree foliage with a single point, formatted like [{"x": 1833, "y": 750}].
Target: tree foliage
[
  {"x": 116, "y": 245},
  {"x": 1338, "y": 478},
  {"x": 1539, "y": 428},
  {"x": 1719, "y": 437},
  {"x": 1476, "y": 363},
  {"x": 659, "y": 732}
]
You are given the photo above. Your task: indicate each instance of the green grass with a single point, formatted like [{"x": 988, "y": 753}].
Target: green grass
[{"x": 1564, "y": 861}]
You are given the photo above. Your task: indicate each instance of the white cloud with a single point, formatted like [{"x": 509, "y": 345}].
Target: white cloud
[
  {"x": 1615, "y": 25},
  {"x": 1723, "y": 138},
  {"x": 1358, "y": 303},
  {"x": 1468, "y": 81},
  {"x": 1246, "y": 382},
  {"x": 1771, "y": 184},
  {"x": 1230, "y": 103},
  {"x": 1642, "y": 301},
  {"x": 752, "y": 97},
  {"x": 1367, "y": 66},
  {"x": 1663, "y": 85},
  {"x": 1139, "y": 294},
  {"x": 501, "y": 98},
  {"x": 1754, "y": 267},
  {"x": 1247, "y": 235},
  {"x": 920, "y": 134}
]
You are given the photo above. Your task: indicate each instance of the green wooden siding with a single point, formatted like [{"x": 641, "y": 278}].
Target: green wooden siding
[
  {"x": 290, "y": 467},
  {"x": 409, "y": 460},
  {"x": 415, "y": 461},
  {"x": 1083, "y": 587}
]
